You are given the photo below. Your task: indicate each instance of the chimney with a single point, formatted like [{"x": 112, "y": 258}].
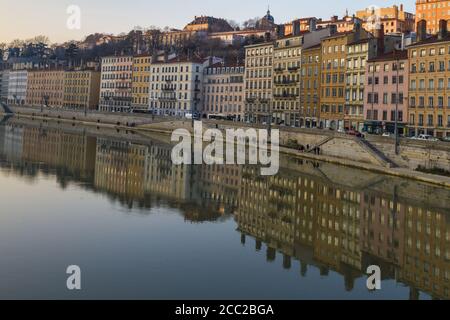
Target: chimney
[
  {"x": 334, "y": 18},
  {"x": 333, "y": 29},
  {"x": 379, "y": 34},
  {"x": 442, "y": 29},
  {"x": 401, "y": 7},
  {"x": 296, "y": 28},
  {"x": 421, "y": 30},
  {"x": 280, "y": 30},
  {"x": 312, "y": 25},
  {"x": 356, "y": 31}
]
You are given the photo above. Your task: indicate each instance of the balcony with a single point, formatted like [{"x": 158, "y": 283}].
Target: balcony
[
  {"x": 285, "y": 82},
  {"x": 167, "y": 88},
  {"x": 293, "y": 69},
  {"x": 285, "y": 96},
  {"x": 278, "y": 70}
]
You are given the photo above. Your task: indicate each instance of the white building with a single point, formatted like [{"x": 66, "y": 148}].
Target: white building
[
  {"x": 176, "y": 86},
  {"x": 17, "y": 87},
  {"x": 4, "y": 83},
  {"x": 116, "y": 84}
]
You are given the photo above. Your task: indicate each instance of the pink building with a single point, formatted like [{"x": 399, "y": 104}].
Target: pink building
[{"x": 386, "y": 88}]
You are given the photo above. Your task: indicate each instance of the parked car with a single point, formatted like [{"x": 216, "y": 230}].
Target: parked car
[
  {"x": 387, "y": 135},
  {"x": 341, "y": 130},
  {"x": 355, "y": 133},
  {"x": 425, "y": 137},
  {"x": 446, "y": 139}
]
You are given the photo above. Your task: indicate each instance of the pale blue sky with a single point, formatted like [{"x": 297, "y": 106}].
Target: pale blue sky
[{"x": 27, "y": 18}]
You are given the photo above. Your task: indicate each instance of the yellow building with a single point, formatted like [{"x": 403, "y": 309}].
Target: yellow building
[
  {"x": 45, "y": 87},
  {"x": 81, "y": 89},
  {"x": 332, "y": 98},
  {"x": 141, "y": 82},
  {"x": 334, "y": 68},
  {"x": 286, "y": 84},
  {"x": 310, "y": 87},
  {"x": 429, "y": 89}
]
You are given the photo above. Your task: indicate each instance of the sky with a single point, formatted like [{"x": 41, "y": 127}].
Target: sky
[{"x": 24, "y": 19}]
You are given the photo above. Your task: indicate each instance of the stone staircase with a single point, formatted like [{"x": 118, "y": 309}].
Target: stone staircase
[
  {"x": 321, "y": 143},
  {"x": 377, "y": 154}
]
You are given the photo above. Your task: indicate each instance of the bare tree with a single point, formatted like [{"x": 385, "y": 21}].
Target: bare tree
[
  {"x": 250, "y": 23},
  {"x": 234, "y": 24}
]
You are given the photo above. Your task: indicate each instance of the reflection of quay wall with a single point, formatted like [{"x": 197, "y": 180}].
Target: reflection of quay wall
[{"x": 344, "y": 225}]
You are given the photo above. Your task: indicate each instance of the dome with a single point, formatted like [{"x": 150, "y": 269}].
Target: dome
[{"x": 267, "y": 22}]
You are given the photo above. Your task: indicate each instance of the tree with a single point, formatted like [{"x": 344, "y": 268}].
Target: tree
[
  {"x": 250, "y": 23},
  {"x": 71, "y": 53},
  {"x": 235, "y": 25}
]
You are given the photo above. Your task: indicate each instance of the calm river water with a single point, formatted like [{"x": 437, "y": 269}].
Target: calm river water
[{"x": 142, "y": 228}]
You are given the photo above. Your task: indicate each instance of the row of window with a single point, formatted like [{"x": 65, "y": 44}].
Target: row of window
[{"x": 431, "y": 102}]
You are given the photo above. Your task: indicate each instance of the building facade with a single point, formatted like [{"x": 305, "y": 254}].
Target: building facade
[
  {"x": 258, "y": 82},
  {"x": 141, "y": 82},
  {"x": 223, "y": 91},
  {"x": 310, "y": 87},
  {"x": 395, "y": 19},
  {"x": 4, "y": 83},
  {"x": 429, "y": 90},
  {"x": 332, "y": 98},
  {"x": 17, "y": 87},
  {"x": 335, "y": 63},
  {"x": 81, "y": 89},
  {"x": 432, "y": 11},
  {"x": 45, "y": 88},
  {"x": 386, "y": 90},
  {"x": 358, "y": 52},
  {"x": 286, "y": 83},
  {"x": 176, "y": 87},
  {"x": 116, "y": 84}
]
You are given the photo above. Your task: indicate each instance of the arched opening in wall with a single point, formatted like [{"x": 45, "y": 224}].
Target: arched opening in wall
[{"x": 333, "y": 124}]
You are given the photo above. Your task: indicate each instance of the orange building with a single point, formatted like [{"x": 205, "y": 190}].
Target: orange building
[
  {"x": 45, "y": 87},
  {"x": 432, "y": 11},
  {"x": 394, "y": 19}
]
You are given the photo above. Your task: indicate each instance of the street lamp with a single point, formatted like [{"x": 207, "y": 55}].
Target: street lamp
[{"x": 396, "y": 107}]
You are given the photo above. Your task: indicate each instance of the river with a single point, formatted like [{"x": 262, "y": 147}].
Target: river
[{"x": 140, "y": 227}]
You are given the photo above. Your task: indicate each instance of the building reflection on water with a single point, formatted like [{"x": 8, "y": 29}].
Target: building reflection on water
[{"x": 334, "y": 219}]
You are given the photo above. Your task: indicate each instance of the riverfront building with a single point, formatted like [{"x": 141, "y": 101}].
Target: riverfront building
[
  {"x": 386, "y": 90},
  {"x": 176, "y": 87},
  {"x": 4, "y": 84},
  {"x": 81, "y": 89},
  {"x": 310, "y": 87},
  {"x": 141, "y": 82},
  {"x": 334, "y": 73},
  {"x": 17, "y": 87},
  {"x": 116, "y": 83},
  {"x": 223, "y": 91},
  {"x": 429, "y": 92},
  {"x": 258, "y": 82},
  {"x": 45, "y": 88}
]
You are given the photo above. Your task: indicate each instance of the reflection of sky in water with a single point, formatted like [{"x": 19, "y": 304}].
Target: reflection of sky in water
[{"x": 159, "y": 250}]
